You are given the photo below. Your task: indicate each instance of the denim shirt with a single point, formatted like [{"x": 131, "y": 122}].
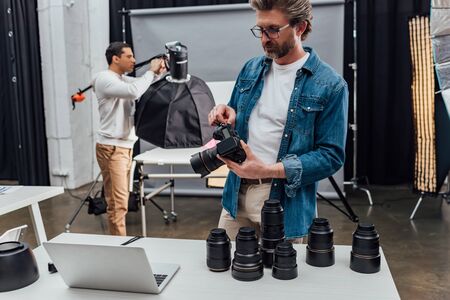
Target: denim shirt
[{"x": 313, "y": 141}]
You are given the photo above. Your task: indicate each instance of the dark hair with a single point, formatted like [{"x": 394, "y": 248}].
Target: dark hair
[
  {"x": 295, "y": 10},
  {"x": 115, "y": 48}
]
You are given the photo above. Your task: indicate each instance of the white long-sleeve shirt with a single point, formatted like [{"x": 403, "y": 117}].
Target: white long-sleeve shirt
[{"x": 116, "y": 94}]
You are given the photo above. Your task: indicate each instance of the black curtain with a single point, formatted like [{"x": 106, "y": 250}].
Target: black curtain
[
  {"x": 23, "y": 142},
  {"x": 385, "y": 128},
  {"x": 7, "y": 146}
]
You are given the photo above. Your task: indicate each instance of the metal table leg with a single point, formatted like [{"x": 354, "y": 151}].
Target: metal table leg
[
  {"x": 173, "y": 214},
  {"x": 38, "y": 224},
  {"x": 141, "y": 197}
]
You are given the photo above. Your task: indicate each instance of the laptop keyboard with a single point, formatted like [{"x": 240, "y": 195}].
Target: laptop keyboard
[{"x": 159, "y": 278}]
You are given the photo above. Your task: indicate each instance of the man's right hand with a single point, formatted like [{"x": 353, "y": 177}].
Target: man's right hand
[{"x": 222, "y": 114}]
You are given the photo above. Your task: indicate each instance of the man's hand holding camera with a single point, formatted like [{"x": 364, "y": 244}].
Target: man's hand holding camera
[
  {"x": 222, "y": 114},
  {"x": 252, "y": 167}
]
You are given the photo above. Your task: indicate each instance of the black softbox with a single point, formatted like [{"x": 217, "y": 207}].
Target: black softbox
[{"x": 175, "y": 115}]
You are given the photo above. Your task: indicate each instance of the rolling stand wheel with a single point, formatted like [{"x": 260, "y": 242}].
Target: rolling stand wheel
[
  {"x": 173, "y": 216},
  {"x": 166, "y": 219},
  {"x": 446, "y": 197},
  {"x": 165, "y": 214}
]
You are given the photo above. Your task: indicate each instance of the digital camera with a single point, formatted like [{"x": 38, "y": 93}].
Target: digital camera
[{"x": 229, "y": 147}]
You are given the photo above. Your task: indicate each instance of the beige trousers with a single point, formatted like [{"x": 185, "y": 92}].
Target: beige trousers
[
  {"x": 251, "y": 200},
  {"x": 115, "y": 164}
]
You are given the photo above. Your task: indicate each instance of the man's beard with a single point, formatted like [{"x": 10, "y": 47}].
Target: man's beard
[{"x": 275, "y": 51}]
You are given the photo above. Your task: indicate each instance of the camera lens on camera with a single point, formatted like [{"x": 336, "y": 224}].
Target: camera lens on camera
[
  {"x": 365, "y": 256},
  {"x": 320, "y": 249},
  {"x": 229, "y": 147},
  {"x": 285, "y": 262},
  {"x": 218, "y": 250},
  {"x": 247, "y": 264},
  {"x": 205, "y": 162},
  {"x": 272, "y": 229}
]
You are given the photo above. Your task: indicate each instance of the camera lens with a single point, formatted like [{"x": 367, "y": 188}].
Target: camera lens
[
  {"x": 205, "y": 162},
  {"x": 320, "y": 249},
  {"x": 285, "y": 262},
  {"x": 218, "y": 250},
  {"x": 272, "y": 229},
  {"x": 247, "y": 264},
  {"x": 365, "y": 256}
]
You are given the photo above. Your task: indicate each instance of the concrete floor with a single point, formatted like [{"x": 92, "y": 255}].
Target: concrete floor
[{"x": 418, "y": 251}]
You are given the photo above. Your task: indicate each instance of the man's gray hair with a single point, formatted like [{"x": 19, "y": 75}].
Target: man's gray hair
[{"x": 296, "y": 11}]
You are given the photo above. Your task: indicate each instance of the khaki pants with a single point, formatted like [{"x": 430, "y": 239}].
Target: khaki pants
[
  {"x": 115, "y": 164},
  {"x": 251, "y": 200}
]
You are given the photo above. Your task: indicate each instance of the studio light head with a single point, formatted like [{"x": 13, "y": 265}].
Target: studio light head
[{"x": 178, "y": 62}]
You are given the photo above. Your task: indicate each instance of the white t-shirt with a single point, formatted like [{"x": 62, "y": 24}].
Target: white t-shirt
[{"x": 268, "y": 117}]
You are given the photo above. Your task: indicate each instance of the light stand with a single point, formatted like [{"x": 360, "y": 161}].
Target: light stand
[
  {"x": 124, "y": 12},
  {"x": 349, "y": 213},
  {"x": 82, "y": 203},
  {"x": 354, "y": 182},
  {"x": 173, "y": 215}
]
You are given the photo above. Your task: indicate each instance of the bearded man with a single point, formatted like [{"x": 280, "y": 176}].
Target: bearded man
[{"x": 290, "y": 109}]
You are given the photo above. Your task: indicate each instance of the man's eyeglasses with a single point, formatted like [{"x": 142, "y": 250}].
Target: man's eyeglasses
[{"x": 271, "y": 33}]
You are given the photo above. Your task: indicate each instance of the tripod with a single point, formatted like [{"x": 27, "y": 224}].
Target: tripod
[
  {"x": 350, "y": 213},
  {"x": 354, "y": 181},
  {"x": 82, "y": 202}
]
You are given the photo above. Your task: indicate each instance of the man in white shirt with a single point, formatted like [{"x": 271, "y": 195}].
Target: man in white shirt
[{"x": 116, "y": 94}]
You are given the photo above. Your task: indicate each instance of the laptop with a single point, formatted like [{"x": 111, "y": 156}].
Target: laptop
[{"x": 116, "y": 268}]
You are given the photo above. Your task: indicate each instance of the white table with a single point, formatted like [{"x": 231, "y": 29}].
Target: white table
[
  {"x": 163, "y": 157},
  {"x": 160, "y": 156},
  {"x": 30, "y": 196},
  {"x": 195, "y": 281}
]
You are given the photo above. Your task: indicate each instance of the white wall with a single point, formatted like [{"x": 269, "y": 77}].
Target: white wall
[{"x": 73, "y": 37}]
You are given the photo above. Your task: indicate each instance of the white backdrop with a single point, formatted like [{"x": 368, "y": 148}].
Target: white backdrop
[{"x": 219, "y": 40}]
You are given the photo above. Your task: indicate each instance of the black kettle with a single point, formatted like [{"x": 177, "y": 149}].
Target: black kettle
[{"x": 18, "y": 267}]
